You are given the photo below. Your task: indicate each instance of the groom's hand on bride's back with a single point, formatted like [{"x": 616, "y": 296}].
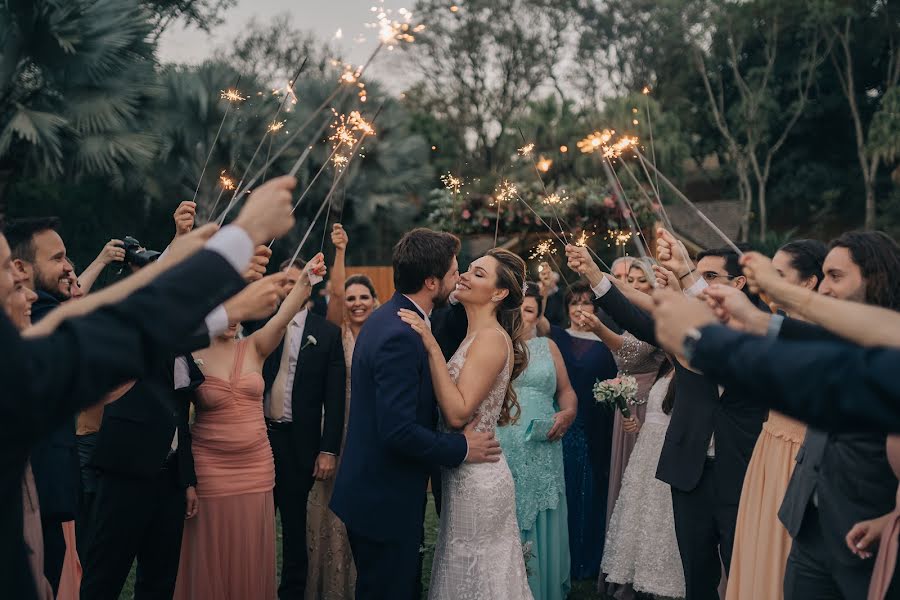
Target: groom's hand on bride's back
[{"x": 483, "y": 446}]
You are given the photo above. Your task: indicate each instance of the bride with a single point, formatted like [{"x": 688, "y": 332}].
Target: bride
[{"x": 478, "y": 552}]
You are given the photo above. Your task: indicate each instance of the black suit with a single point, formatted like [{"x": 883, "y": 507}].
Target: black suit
[
  {"x": 705, "y": 490},
  {"x": 840, "y": 478},
  {"x": 855, "y": 389},
  {"x": 318, "y": 401},
  {"x": 57, "y": 474},
  {"x": 47, "y": 380},
  {"x": 138, "y": 511}
]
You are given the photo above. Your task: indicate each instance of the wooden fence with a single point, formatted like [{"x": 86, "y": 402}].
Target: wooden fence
[{"x": 382, "y": 277}]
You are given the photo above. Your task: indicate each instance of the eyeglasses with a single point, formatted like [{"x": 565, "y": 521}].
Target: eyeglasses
[{"x": 710, "y": 276}]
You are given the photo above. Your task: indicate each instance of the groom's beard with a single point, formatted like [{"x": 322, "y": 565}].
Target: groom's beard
[{"x": 442, "y": 297}]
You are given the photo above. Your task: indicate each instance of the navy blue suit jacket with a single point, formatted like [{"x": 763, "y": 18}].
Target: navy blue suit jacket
[{"x": 391, "y": 441}]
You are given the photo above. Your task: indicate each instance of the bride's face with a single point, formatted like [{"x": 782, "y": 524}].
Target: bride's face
[{"x": 478, "y": 285}]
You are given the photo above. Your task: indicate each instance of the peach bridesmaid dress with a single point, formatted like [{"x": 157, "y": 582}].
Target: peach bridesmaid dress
[
  {"x": 228, "y": 549},
  {"x": 761, "y": 543}
]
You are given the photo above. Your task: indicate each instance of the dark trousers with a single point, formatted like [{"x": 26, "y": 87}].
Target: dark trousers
[
  {"x": 704, "y": 526},
  {"x": 139, "y": 518},
  {"x": 385, "y": 570},
  {"x": 813, "y": 573},
  {"x": 54, "y": 550},
  {"x": 86, "y": 444},
  {"x": 293, "y": 481}
]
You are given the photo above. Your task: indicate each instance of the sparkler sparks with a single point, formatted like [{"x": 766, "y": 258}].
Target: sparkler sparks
[
  {"x": 595, "y": 141},
  {"x": 232, "y": 95},
  {"x": 452, "y": 183},
  {"x": 526, "y": 150},
  {"x": 620, "y": 237},
  {"x": 583, "y": 239},
  {"x": 226, "y": 182},
  {"x": 275, "y": 126},
  {"x": 391, "y": 31},
  {"x": 623, "y": 144},
  {"x": 555, "y": 199},
  {"x": 504, "y": 192},
  {"x": 544, "y": 164},
  {"x": 544, "y": 249}
]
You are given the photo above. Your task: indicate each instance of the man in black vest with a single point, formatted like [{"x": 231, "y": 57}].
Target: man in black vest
[
  {"x": 304, "y": 406},
  {"x": 39, "y": 253},
  {"x": 712, "y": 432}
]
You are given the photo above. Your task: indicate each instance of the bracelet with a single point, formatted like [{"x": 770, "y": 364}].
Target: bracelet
[{"x": 686, "y": 274}]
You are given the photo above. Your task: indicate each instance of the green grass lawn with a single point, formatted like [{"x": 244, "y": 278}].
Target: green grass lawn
[{"x": 581, "y": 590}]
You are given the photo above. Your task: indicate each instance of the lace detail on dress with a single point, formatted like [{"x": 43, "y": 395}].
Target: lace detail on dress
[
  {"x": 478, "y": 555},
  {"x": 636, "y": 356},
  {"x": 537, "y": 466}
]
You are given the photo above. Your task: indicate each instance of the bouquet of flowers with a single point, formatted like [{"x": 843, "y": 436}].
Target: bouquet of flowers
[{"x": 620, "y": 392}]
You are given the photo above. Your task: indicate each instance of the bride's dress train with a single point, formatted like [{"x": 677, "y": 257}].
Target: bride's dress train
[{"x": 478, "y": 555}]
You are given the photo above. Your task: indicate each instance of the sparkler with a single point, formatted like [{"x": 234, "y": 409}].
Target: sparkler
[
  {"x": 327, "y": 200},
  {"x": 544, "y": 164},
  {"x": 232, "y": 95},
  {"x": 555, "y": 199},
  {"x": 240, "y": 189},
  {"x": 646, "y": 93},
  {"x": 595, "y": 141},
  {"x": 544, "y": 249},
  {"x": 692, "y": 206},
  {"x": 625, "y": 206},
  {"x": 549, "y": 199},
  {"x": 452, "y": 183},
  {"x": 526, "y": 150},
  {"x": 583, "y": 239},
  {"x": 504, "y": 192}
]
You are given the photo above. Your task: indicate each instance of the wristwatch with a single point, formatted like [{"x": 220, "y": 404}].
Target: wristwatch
[{"x": 689, "y": 344}]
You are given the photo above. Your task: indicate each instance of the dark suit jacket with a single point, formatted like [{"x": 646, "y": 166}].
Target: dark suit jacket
[
  {"x": 449, "y": 324},
  {"x": 136, "y": 434},
  {"x": 319, "y": 384},
  {"x": 853, "y": 389},
  {"x": 847, "y": 472},
  {"x": 54, "y": 460},
  {"x": 699, "y": 413},
  {"x": 45, "y": 381},
  {"x": 391, "y": 442}
]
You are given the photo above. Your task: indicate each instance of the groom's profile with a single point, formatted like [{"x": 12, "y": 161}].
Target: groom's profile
[{"x": 392, "y": 443}]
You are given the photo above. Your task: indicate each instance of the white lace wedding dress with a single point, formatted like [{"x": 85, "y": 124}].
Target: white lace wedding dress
[{"x": 478, "y": 555}]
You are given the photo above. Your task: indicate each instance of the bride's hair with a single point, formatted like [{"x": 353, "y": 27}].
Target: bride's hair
[{"x": 511, "y": 277}]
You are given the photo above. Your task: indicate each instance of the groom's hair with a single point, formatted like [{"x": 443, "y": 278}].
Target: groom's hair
[{"x": 420, "y": 254}]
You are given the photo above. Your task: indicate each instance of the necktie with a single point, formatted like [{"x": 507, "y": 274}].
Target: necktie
[{"x": 275, "y": 407}]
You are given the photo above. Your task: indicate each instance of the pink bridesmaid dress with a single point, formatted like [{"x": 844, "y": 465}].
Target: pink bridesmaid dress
[{"x": 228, "y": 549}]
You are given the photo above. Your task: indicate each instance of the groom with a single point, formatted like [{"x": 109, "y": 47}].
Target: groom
[{"x": 391, "y": 443}]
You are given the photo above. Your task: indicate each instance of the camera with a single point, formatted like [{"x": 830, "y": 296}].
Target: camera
[{"x": 135, "y": 254}]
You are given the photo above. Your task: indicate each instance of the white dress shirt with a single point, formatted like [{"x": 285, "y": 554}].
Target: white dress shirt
[
  {"x": 292, "y": 344},
  {"x": 426, "y": 316}
]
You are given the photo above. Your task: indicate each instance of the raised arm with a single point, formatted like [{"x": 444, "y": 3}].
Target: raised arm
[
  {"x": 860, "y": 323},
  {"x": 340, "y": 240},
  {"x": 486, "y": 358},
  {"x": 396, "y": 403},
  {"x": 112, "y": 252},
  {"x": 266, "y": 339}
]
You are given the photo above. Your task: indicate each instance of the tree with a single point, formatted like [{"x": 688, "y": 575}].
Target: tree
[
  {"x": 75, "y": 77},
  {"x": 752, "y": 122},
  {"x": 865, "y": 32},
  {"x": 481, "y": 64},
  {"x": 202, "y": 14}
]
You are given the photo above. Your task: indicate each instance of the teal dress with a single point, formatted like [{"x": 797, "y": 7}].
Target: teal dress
[{"x": 537, "y": 470}]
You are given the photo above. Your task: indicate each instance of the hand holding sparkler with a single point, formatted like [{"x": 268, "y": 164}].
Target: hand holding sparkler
[
  {"x": 761, "y": 274},
  {"x": 184, "y": 217},
  {"x": 666, "y": 279},
  {"x": 671, "y": 254},
  {"x": 267, "y": 213},
  {"x": 580, "y": 261},
  {"x": 258, "y": 264},
  {"x": 733, "y": 308}
]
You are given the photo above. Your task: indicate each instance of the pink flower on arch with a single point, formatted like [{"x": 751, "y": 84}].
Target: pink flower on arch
[
  {"x": 609, "y": 202},
  {"x": 466, "y": 214}
]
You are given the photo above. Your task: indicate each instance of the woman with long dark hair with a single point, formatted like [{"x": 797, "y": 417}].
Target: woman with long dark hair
[{"x": 478, "y": 551}]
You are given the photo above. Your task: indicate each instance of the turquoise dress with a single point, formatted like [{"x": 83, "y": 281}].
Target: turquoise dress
[{"x": 537, "y": 470}]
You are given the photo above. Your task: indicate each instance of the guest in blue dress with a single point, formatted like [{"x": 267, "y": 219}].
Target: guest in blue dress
[
  {"x": 533, "y": 449},
  {"x": 587, "y": 445}
]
